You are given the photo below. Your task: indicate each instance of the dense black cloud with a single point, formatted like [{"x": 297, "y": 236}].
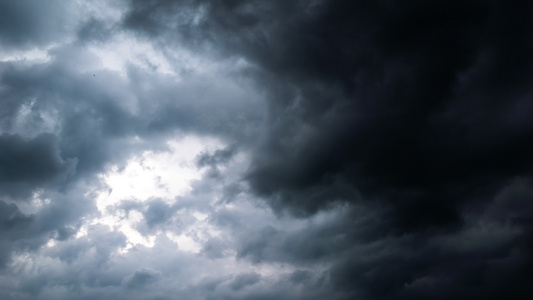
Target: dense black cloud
[{"x": 384, "y": 97}]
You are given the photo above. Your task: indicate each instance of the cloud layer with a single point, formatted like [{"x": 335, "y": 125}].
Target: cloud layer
[{"x": 266, "y": 149}]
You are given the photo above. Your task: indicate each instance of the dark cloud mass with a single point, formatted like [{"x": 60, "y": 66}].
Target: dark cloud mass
[
  {"x": 266, "y": 149},
  {"x": 25, "y": 165}
]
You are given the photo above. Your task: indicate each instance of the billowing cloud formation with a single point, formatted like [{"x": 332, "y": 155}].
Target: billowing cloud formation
[{"x": 266, "y": 150}]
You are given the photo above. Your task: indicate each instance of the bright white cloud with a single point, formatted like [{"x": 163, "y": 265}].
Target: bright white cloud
[
  {"x": 34, "y": 55},
  {"x": 165, "y": 175},
  {"x": 125, "y": 49}
]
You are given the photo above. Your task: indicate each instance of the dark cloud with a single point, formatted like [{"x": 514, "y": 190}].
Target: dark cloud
[
  {"x": 373, "y": 103},
  {"x": 56, "y": 219},
  {"x": 220, "y": 156},
  {"x": 486, "y": 258},
  {"x": 95, "y": 30},
  {"x": 391, "y": 140},
  {"x": 85, "y": 127},
  {"x": 300, "y": 276},
  {"x": 22, "y": 25},
  {"x": 28, "y": 164},
  {"x": 403, "y": 102},
  {"x": 95, "y": 121},
  {"x": 212, "y": 161},
  {"x": 243, "y": 280},
  {"x": 141, "y": 278},
  {"x": 214, "y": 248},
  {"x": 14, "y": 226}
]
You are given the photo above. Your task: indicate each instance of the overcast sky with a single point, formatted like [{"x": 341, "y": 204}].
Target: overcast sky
[{"x": 232, "y": 149}]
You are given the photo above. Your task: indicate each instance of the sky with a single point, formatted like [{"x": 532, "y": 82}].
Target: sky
[{"x": 303, "y": 149}]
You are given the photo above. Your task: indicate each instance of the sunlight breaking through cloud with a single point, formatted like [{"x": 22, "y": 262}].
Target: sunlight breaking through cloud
[{"x": 165, "y": 175}]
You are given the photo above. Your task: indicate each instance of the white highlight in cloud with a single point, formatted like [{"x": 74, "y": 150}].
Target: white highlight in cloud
[
  {"x": 185, "y": 242},
  {"x": 164, "y": 175},
  {"x": 34, "y": 55},
  {"x": 125, "y": 49}
]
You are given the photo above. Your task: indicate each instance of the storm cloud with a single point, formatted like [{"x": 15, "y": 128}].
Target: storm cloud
[{"x": 266, "y": 149}]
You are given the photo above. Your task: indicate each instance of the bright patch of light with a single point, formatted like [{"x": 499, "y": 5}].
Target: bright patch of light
[
  {"x": 51, "y": 243},
  {"x": 125, "y": 49},
  {"x": 164, "y": 175},
  {"x": 82, "y": 232},
  {"x": 35, "y": 55},
  {"x": 200, "y": 216},
  {"x": 185, "y": 243},
  {"x": 155, "y": 174}
]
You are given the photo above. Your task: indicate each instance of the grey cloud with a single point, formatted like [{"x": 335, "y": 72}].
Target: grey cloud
[
  {"x": 220, "y": 156},
  {"x": 14, "y": 228},
  {"x": 397, "y": 133},
  {"x": 23, "y": 25},
  {"x": 94, "y": 119},
  {"x": 214, "y": 248},
  {"x": 158, "y": 212},
  {"x": 349, "y": 106},
  {"x": 28, "y": 164},
  {"x": 27, "y": 232},
  {"x": 371, "y": 261},
  {"x": 99, "y": 244},
  {"x": 259, "y": 245},
  {"x": 243, "y": 280},
  {"x": 212, "y": 161},
  {"x": 95, "y": 30},
  {"x": 204, "y": 105},
  {"x": 376, "y": 96},
  {"x": 460, "y": 264},
  {"x": 141, "y": 278},
  {"x": 300, "y": 276}
]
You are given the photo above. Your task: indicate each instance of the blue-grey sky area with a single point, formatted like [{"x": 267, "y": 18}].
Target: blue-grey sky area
[{"x": 306, "y": 149}]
